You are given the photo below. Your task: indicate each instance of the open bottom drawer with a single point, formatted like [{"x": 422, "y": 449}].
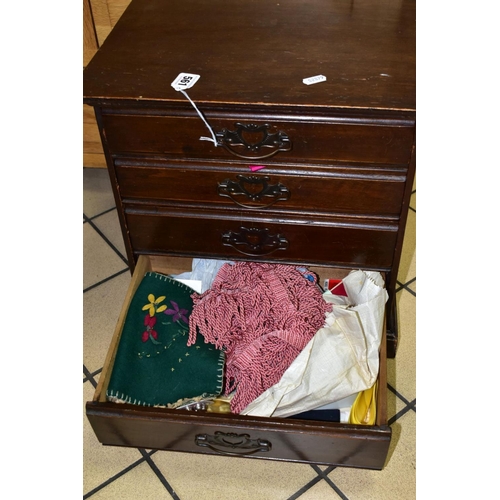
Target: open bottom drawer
[{"x": 285, "y": 439}]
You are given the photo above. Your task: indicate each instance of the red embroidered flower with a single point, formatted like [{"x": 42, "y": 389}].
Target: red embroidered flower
[{"x": 149, "y": 322}]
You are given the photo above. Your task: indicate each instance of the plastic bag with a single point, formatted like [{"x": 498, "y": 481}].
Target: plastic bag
[
  {"x": 341, "y": 359},
  {"x": 203, "y": 270}
]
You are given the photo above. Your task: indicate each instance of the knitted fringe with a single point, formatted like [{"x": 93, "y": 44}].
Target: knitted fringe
[{"x": 262, "y": 316}]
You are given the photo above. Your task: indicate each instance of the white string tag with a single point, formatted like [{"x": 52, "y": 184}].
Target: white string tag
[{"x": 183, "y": 82}]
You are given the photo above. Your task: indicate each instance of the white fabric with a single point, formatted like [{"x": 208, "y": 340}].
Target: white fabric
[{"x": 340, "y": 360}]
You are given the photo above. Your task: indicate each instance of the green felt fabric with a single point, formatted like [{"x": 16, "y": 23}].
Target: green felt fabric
[{"x": 153, "y": 365}]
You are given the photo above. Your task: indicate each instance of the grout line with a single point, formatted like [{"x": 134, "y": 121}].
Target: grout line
[
  {"x": 320, "y": 475},
  {"x": 98, "y": 215},
  {"x": 411, "y": 208},
  {"x": 158, "y": 473},
  {"x": 103, "y": 236},
  {"x": 319, "y": 471},
  {"x": 410, "y": 405},
  {"x": 115, "y": 477},
  {"x": 109, "y": 278},
  {"x": 402, "y": 412},
  {"x": 324, "y": 475},
  {"x": 89, "y": 377},
  {"x": 326, "y": 471},
  {"x": 336, "y": 488},
  {"x": 408, "y": 282},
  {"x": 304, "y": 488},
  {"x": 406, "y": 286},
  {"x": 400, "y": 396}
]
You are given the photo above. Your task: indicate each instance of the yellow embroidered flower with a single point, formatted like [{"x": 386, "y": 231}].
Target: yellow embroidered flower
[{"x": 153, "y": 303}]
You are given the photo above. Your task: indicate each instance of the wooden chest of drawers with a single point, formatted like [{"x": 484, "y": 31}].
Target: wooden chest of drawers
[{"x": 336, "y": 165}]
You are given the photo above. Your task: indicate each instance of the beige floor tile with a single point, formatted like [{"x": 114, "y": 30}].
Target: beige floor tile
[
  {"x": 413, "y": 201},
  {"x": 99, "y": 259},
  {"x": 408, "y": 266},
  {"x": 403, "y": 441},
  {"x": 396, "y": 481},
  {"x": 195, "y": 476},
  {"x": 109, "y": 225},
  {"x": 97, "y": 193},
  {"x": 401, "y": 371},
  {"x": 101, "y": 308},
  {"x": 140, "y": 483},
  {"x": 394, "y": 404},
  {"x": 101, "y": 462},
  {"x": 398, "y": 404}
]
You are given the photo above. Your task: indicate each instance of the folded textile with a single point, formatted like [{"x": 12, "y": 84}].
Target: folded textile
[
  {"x": 262, "y": 316},
  {"x": 153, "y": 365}
]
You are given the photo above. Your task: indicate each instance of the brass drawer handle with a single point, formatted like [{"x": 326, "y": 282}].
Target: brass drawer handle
[
  {"x": 233, "y": 141},
  {"x": 254, "y": 241},
  {"x": 232, "y": 444},
  {"x": 243, "y": 188}
]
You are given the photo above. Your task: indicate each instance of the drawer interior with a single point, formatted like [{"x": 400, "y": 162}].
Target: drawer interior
[{"x": 180, "y": 430}]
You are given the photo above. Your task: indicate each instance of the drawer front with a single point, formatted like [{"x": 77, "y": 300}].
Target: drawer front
[
  {"x": 233, "y": 236},
  {"x": 228, "y": 434},
  {"x": 329, "y": 444},
  {"x": 333, "y": 190},
  {"x": 282, "y": 141}
]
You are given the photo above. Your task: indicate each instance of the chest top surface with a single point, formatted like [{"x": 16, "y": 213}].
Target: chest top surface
[{"x": 257, "y": 52}]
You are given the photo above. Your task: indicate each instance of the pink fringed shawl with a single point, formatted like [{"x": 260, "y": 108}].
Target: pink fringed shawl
[{"x": 262, "y": 315}]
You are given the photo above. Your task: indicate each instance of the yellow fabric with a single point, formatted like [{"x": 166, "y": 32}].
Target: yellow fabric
[{"x": 364, "y": 409}]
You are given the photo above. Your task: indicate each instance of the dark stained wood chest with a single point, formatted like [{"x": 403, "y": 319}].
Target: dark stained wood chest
[{"x": 338, "y": 158}]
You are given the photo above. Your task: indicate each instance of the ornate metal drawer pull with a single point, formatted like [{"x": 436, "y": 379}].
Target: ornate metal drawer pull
[
  {"x": 232, "y": 189},
  {"x": 231, "y": 140},
  {"x": 232, "y": 444},
  {"x": 254, "y": 241}
]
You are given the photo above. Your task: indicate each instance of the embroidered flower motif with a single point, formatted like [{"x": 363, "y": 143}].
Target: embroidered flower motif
[
  {"x": 150, "y": 322},
  {"x": 176, "y": 313},
  {"x": 152, "y": 307}
]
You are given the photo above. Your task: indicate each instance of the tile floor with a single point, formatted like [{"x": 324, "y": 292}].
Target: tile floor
[{"x": 125, "y": 473}]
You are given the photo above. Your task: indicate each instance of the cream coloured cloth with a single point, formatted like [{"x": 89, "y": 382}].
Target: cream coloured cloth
[{"x": 341, "y": 359}]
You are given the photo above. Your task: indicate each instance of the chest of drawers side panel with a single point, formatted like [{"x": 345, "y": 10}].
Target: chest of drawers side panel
[
  {"x": 115, "y": 186},
  {"x": 392, "y": 275}
]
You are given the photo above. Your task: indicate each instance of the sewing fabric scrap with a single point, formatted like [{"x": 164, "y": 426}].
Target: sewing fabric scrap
[{"x": 154, "y": 365}]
